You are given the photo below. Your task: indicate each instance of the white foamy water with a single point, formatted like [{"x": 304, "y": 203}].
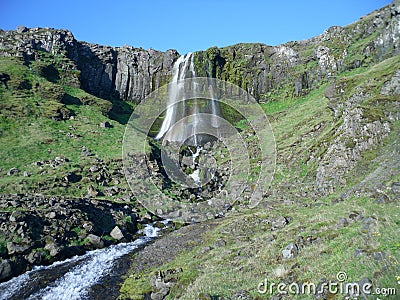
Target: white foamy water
[{"x": 76, "y": 282}]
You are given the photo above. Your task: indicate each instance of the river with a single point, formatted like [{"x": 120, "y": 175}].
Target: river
[{"x": 95, "y": 275}]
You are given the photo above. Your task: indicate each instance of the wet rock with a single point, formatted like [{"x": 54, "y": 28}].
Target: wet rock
[
  {"x": 96, "y": 241},
  {"x": 116, "y": 233},
  {"x": 5, "y": 269},
  {"x": 290, "y": 251}
]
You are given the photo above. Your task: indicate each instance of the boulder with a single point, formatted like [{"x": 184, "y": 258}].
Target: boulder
[
  {"x": 53, "y": 248},
  {"x": 22, "y": 29},
  {"x": 5, "y": 270},
  {"x": 92, "y": 191},
  {"x": 105, "y": 125},
  {"x": 279, "y": 222},
  {"x": 116, "y": 233},
  {"x": 290, "y": 251},
  {"x": 96, "y": 241},
  {"x": 13, "y": 171},
  {"x": 13, "y": 248}
]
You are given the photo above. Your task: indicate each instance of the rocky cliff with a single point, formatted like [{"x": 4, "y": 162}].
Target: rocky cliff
[
  {"x": 297, "y": 67},
  {"x": 124, "y": 72},
  {"x": 132, "y": 73}
]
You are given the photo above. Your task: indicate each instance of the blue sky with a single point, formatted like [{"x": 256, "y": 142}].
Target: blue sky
[{"x": 186, "y": 25}]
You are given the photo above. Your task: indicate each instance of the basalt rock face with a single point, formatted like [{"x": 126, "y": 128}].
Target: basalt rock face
[{"x": 125, "y": 72}]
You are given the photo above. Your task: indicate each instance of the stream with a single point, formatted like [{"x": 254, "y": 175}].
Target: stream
[{"x": 95, "y": 275}]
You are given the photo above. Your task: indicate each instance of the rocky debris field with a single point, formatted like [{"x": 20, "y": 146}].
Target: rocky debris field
[{"x": 37, "y": 230}]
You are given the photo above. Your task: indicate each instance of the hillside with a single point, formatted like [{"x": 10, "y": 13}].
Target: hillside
[{"x": 333, "y": 102}]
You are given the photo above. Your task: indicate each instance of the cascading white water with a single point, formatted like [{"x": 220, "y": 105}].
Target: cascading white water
[
  {"x": 89, "y": 269},
  {"x": 177, "y": 110}
]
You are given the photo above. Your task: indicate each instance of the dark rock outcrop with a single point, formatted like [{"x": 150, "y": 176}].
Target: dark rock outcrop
[
  {"x": 40, "y": 230},
  {"x": 121, "y": 72}
]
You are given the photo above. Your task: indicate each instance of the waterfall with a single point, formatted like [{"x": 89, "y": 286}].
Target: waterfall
[
  {"x": 176, "y": 112},
  {"x": 188, "y": 130}
]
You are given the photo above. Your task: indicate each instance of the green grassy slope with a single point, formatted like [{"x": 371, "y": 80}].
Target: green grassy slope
[{"x": 42, "y": 117}]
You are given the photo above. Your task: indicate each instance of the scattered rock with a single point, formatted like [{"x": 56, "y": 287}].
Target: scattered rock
[
  {"x": 51, "y": 215},
  {"x": 203, "y": 296},
  {"x": 13, "y": 248},
  {"x": 26, "y": 174},
  {"x": 116, "y": 233},
  {"x": 35, "y": 258},
  {"x": 13, "y": 171},
  {"x": 219, "y": 243},
  {"x": 111, "y": 191},
  {"x": 279, "y": 222},
  {"x": 105, "y": 124},
  {"x": 96, "y": 241},
  {"x": 85, "y": 152},
  {"x": 359, "y": 252},
  {"x": 72, "y": 177},
  {"x": 22, "y": 29},
  {"x": 342, "y": 223},
  {"x": 53, "y": 248},
  {"x": 290, "y": 251},
  {"x": 355, "y": 215},
  {"x": 17, "y": 216},
  {"x": 161, "y": 283},
  {"x": 92, "y": 191},
  {"x": 241, "y": 295},
  {"x": 5, "y": 269},
  {"x": 94, "y": 169}
]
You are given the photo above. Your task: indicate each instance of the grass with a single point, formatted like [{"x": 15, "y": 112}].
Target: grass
[
  {"x": 28, "y": 133},
  {"x": 249, "y": 257}
]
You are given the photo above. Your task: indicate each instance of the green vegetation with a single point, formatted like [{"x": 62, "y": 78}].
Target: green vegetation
[
  {"x": 41, "y": 120},
  {"x": 252, "y": 251}
]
